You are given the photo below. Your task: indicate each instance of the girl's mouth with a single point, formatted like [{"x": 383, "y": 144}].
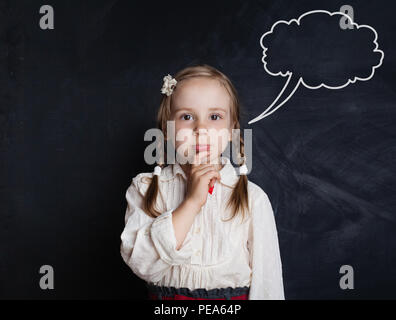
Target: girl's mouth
[{"x": 202, "y": 147}]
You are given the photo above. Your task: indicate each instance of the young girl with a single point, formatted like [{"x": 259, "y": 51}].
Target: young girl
[{"x": 186, "y": 242}]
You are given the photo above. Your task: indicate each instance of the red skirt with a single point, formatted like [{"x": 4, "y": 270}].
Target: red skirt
[{"x": 172, "y": 293}]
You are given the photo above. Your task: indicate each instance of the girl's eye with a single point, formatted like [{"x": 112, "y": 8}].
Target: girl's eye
[
  {"x": 186, "y": 116},
  {"x": 215, "y": 117}
]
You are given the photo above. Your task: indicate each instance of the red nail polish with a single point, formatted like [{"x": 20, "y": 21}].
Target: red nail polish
[{"x": 211, "y": 189}]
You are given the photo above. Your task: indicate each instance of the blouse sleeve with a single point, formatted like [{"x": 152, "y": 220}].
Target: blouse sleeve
[
  {"x": 265, "y": 259},
  {"x": 148, "y": 245}
]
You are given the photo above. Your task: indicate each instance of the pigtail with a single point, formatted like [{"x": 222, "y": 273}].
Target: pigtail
[
  {"x": 239, "y": 197},
  {"x": 150, "y": 197}
]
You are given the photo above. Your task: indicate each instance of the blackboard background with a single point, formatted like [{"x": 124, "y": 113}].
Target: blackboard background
[{"x": 75, "y": 103}]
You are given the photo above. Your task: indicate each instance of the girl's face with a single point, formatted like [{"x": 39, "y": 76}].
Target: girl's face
[{"x": 202, "y": 115}]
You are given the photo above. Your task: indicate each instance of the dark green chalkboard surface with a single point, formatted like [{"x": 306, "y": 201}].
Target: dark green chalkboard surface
[{"x": 76, "y": 100}]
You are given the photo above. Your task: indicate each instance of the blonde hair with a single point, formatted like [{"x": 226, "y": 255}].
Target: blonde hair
[{"x": 238, "y": 200}]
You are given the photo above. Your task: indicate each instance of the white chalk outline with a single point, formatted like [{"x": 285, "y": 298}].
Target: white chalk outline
[{"x": 301, "y": 80}]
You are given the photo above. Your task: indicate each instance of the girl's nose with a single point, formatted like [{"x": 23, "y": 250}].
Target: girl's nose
[
  {"x": 200, "y": 129},
  {"x": 201, "y": 136}
]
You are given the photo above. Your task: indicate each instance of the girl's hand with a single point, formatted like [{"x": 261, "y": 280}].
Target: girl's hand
[{"x": 201, "y": 177}]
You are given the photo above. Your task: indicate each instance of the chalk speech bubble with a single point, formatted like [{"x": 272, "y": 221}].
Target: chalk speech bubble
[{"x": 316, "y": 52}]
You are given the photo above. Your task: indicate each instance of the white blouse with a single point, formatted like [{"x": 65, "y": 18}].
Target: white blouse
[{"x": 214, "y": 254}]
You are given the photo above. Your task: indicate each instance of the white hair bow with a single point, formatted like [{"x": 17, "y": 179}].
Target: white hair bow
[
  {"x": 243, "y": 170},
  {"x": 169, "y": 84},
  {"x": 157, "y": 170}
]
